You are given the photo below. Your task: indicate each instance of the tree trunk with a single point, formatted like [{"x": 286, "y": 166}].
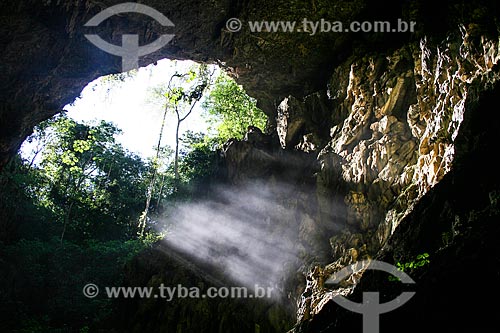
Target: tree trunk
[
  {"x": 144, "y": 215},
  {"x": 176, "y": 158},
  {"x": 66, "y": 220},
  {"x": 162, "y": 185}
]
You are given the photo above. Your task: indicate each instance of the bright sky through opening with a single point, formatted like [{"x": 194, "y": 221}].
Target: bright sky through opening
[{"x": 130, "y": 106}]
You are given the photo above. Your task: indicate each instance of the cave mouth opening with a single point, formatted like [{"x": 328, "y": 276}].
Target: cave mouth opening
[
  {"x": 98, "y": 181},
  {"x": 119, "y": 152},
  {"x": 134, "y": 103}
]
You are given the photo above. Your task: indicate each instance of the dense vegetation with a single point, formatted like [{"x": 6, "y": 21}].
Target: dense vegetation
[
  {"x": 72, "y": 207},
  {"x": 230, "y": 110}
]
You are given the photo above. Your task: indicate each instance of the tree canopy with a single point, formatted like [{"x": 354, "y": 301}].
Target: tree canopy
[{"x": 229, "y": 110}]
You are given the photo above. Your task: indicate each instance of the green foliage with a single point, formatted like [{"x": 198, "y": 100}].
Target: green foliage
[
  {"x": 78, "y": 179},
  {"x": 70, "y": 206},
  {"x": 119, "y": 77},
  {"x": 198, "y": 163},
  {"x": 419, "y": 261},
  {"x": 43, "y": 291},
  {"x": 113, "y": 81},
  {"x": 90, "y": 183},
  {"x": 198, "y": 156},
  {"x": 180, "y": 95},
  {"x": 229, "y": 110},
  {"x": 183, "y": 89},
  {"x": 19, "y": 216},
  {"x": 447, "y": 237}
]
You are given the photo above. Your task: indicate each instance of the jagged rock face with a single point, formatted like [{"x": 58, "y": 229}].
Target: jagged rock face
[
  {"x": 456, "y": 223},
  {"x": 404, "y": 114}
]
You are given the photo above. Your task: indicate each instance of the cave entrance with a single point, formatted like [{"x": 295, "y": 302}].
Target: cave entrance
[
  {"x": 82, "y": 195},
  {"x": 134, "y": 101},
  {"x": 151, "y": 122},
  {"x": 161, "y": 126}
]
